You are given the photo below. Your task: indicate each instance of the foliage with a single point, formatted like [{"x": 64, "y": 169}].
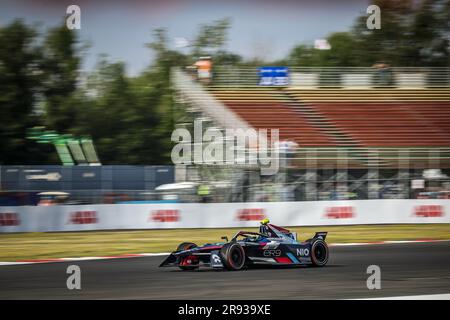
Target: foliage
[
  {"x": 211, "y": 37},
  {"x": 131, "y": 118},
  {"x": 410, "y": 36}
]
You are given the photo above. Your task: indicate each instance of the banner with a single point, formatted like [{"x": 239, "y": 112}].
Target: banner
[
  {"x": 273, "y": 76},
  {"x": 221, "y": 215}
]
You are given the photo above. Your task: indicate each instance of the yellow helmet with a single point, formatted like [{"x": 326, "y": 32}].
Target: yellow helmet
[{"x": 265, "y": 221}]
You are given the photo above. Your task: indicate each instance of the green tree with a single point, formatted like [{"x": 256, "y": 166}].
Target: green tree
[
  {"x": 60, "y": 67},
  {"x": 223, "y": 57},
  {"x": 341, "y": 53},
  {"x": 410, "y": 35},
  {"x": 108, "y": 114},
  {"x": 165, "y": 58},
  {"x": 211, "y": 37},
  {"x": 19, "y": 85},
  {"x": 303, "y": 56},
  {"x": 429, "y": 36}
]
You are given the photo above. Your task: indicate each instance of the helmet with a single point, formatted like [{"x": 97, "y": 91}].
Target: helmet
[{"x": 263, "y": 229}]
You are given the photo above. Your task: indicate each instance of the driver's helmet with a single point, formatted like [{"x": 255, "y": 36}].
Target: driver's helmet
[{"x": 263, "y": 228}]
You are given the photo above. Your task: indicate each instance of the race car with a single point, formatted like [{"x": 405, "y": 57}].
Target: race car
[{"x": 272, "y": 245}]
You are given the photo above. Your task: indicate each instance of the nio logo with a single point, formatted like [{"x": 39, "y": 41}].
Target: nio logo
[
  {"x": 303, "y": 252},
  {"x": 272, "y": 253}
]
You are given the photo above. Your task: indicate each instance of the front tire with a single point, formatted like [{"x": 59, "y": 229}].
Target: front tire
[
  {"x": 186, "y": 246},
  {"x": 319, "y": 253},
  {"x": 233, "y": 256}
]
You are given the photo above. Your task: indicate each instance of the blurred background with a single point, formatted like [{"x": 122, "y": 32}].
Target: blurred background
[
  {"x": 91, "y": 93},
  {"x": 87, "y": 114}
]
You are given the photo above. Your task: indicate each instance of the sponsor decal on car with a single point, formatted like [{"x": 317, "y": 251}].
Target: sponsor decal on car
[
  {"x": 272, "y": 253},
  {"x": 429, "y": 211},
  {"x": 269, "y": 245},
  {"x": 83, "y": 217},
  {"x": 252, "y": 214},
  {"x": 341, "y": 212},
  {"x": 165, "y": 216},
  {"x": 216, "y": 262},
  {"x": 303, "y": 252},
  {"x": 9, "y": 219}
]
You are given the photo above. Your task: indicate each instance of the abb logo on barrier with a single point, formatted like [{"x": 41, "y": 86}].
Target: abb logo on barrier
[
  {"x": 9, "y": 219},
  {"x": 83, "y": 217},
  {"x": 250, "y": 214},
  {"x": 165, "y": 216},
  {"x": 428, "y": 211},
  {"x": 346, "y": 212}
]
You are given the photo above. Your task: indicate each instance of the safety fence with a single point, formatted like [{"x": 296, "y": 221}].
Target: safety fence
[{"x": 343, "y": 77}]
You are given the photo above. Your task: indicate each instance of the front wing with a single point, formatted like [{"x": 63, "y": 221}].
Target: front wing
[{"x": 193, "y": 258}]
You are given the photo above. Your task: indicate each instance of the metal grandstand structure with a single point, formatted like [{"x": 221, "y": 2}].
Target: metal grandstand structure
[
  {"x": 353, "y": 132},
  {"x": 340, "y": 77}
]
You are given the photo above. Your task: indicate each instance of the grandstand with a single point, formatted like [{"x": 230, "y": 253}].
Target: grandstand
[{"x": 404, "y": 127}]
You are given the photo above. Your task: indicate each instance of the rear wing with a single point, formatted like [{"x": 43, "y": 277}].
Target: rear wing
[{"x": 320, "y": 235}]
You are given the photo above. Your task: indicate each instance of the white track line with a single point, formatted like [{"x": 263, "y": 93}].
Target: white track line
[
  {"x": 31, "y": 261},
  {"x": 445, "y": 296}
]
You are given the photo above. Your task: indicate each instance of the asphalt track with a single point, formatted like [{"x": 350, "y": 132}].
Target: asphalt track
[{"x": 406, "y": 269}]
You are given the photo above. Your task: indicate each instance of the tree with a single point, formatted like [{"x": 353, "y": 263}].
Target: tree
[
  {"x": 211, "y": 37},
  {"x": 341, "y": 53},
  {"x": 60, "y": 67},
  {"x": 19, "y": 85},
  {"x": 430, "y": 32},
  {"x": 223, "y": 57},
  {"x": 409, "y": 36},
  {"x": 303, "y": 56},
  {"x": 108, "y": 116}
]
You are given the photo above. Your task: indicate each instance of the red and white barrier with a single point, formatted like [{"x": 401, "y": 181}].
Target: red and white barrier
[{"x": 220, "y": 215}]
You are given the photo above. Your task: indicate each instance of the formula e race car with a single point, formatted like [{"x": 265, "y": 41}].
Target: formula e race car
[{"x": 272, "y": 245}]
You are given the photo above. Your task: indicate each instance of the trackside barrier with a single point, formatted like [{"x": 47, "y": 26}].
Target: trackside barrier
[{"x": 220, "y": 215}]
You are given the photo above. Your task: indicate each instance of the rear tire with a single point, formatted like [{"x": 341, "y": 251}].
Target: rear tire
[
  {"x": 186, "y": 246},
  {"x": 233, "y": 256},
  {"x": 319, "y": 253}
]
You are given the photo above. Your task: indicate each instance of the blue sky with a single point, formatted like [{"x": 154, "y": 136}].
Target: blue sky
[{"x": 263, "y": 28}]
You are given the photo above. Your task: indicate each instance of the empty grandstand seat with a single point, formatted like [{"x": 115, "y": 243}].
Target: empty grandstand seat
[
  {"x": 387, "y": 117},
  {"x": 372, "y": 118}
]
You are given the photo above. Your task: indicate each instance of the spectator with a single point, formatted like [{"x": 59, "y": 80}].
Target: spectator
[
  {"x": 203, "y": 192},
  {"x": 383, "y": 73},
  {"x": 204, "y": 69}
]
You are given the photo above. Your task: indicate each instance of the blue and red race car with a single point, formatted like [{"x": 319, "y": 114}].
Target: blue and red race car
[{"x": 272, "y": 245}]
